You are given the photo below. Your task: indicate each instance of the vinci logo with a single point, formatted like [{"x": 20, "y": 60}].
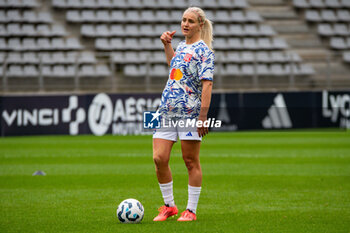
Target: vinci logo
[{"x": 80, "y": 115}]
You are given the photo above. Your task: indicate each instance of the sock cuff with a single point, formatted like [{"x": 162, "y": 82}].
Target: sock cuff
[
  {"x": 165, "y": 185},
  {"x": 193, "y": 188}
]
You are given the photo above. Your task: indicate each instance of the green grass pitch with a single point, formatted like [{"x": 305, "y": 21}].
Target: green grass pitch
[{"x": 289, "y": 181}]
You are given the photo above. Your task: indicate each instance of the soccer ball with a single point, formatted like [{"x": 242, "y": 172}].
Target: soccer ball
[{"x": 130, "y": 211}]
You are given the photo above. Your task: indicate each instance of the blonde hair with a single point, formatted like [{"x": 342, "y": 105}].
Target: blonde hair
[{"x": 207, "y": 30}]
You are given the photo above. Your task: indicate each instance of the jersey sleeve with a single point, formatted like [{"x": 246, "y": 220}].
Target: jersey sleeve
[{"x": 205, "y": 65}]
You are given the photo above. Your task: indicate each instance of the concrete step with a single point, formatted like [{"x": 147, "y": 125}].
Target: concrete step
[
  {"x": 302, "y": 40},
  {"x": 275, "y": 12},
  {"x": 266, "y": 2}
]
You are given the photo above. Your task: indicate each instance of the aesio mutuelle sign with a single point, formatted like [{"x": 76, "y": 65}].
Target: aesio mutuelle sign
[{"x": 123, "y": 116}]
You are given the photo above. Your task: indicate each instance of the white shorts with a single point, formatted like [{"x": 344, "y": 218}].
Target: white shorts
[{"x": 173, "y": 132}]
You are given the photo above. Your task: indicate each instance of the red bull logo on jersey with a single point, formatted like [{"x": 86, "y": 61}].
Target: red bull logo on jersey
[
  {"x": 187, "y": 57},
  {"x": 176, "y": 74}
]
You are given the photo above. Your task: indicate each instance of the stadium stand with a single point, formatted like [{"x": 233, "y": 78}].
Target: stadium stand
[{"x": 117, "y": 41}]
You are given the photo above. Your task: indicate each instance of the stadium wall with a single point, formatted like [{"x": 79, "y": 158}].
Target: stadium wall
[{"x": 103, "y": 113}]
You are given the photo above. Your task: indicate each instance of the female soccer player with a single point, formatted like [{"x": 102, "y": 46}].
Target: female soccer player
[{"x": 187, "y": 95}]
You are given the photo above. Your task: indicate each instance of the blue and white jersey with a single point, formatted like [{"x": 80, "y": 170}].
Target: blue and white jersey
[{"x": 181, "y": 96}]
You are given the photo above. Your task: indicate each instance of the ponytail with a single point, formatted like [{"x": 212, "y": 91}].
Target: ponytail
[
  {"x": 207, "y": 33},
  {"x": 207, "y": 29}
]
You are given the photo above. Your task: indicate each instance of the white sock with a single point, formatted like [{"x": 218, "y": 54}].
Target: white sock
[
  {"x": 167, "y": 192},
  {"x": 193, "y": 197}
]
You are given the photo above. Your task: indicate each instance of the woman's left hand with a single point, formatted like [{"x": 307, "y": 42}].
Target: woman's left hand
[{"x": 202, "y": 131}]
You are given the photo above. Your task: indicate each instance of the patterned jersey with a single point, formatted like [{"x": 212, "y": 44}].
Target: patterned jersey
[{"x": 190, "y": 64}]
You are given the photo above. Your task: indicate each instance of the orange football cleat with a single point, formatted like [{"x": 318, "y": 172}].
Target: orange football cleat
[
  {"x": 165, "y": 212},
  {"x": 186, "y": 216}
]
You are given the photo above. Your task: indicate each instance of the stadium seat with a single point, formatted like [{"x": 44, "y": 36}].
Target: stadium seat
[
  {"x": 325, "y": 29},
  {"x": 345, "y": 3},
  {"x": 87, "y": 57},
  {"x": 301, "y": 4},
  {"x": 159, "y": 71},
  {"x": 346, "y": 56},
  {"x": 247, "y": 69},
  {"x": 328, "y": 15},
  {"x": 14, "y": 71},
  {"x": 30, "y": 58},
  {"x": 317, "y": 3},
  {"x": 277, "y": 70},
  {"x": 117, "y": 30},
  {"x": 263, "y": 69},
  {"x": 341, "y": 29},
  {"x": 343, "y": 15},
  {"x": 247, "y": 57},
  {"x": 263, "y": 57},
  {"x": 14, "y": 58},
  {"x": 30, "y": 71},
  {"x": 313, "y": 16},
  {"x": 231, "y": 70},
  {"x": 333, "y": 4},
  {"x": 102, "y": 30},
  {"x": 135, "y": 70},
  {"x": 338, "y": 43}
]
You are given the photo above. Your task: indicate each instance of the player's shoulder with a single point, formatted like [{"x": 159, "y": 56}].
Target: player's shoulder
[{"x": 201, "y": 48}]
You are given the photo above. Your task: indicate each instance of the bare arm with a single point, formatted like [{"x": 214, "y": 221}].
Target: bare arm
[
  {"x": 166, "y": 38},
  {"x": 206, "y": 99}
]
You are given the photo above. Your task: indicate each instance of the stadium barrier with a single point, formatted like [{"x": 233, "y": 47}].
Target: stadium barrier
[{"x": 122, "y": 114}]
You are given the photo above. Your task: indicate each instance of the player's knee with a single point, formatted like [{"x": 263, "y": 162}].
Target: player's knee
[
  {"x": 190, "y": 162},
  {"x": 160, "y": 161}
]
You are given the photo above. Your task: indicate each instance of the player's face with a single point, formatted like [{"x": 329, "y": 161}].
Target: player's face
[{"x": 190, "y": 25}]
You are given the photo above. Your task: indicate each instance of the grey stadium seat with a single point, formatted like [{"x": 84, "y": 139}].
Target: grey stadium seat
[
  {"x": 341, "y": 30},
  {"x": 30, "y": 71},
  {"x": 343, "y": 15},
  {"x": 103, "y": 16},
  {"x": 338, "y": 43},
  {"x": 233, "y": 57},
  {"x": 103, "y": 30},
  {"x": 14, "y": 58},
  {"x": 231, "y": 70},
  {"x": 15, "y": 71},
  {"x": 247, "y": 57},
  {"x": 262, "y": 57},
  {"x": 250, "y": 43},
  {"x": 333, "y": 3},
  {"x": 88, "y": 30},
  {"x": 87, "y": 57},
  {"x": 135, "y": 70},
  {"x": 118, "y": 16},
  {"x": 102, "y": 44},
  {"x": 328, "y": 15},
  {"x": 277, "y": 70},
  {"x": 251, "y": 30},
  {"x": 317, "y": 3},
  {"x": 73, "y": 16},
  {"x": 247, "y": 69},
  {"x": 236, "y": 30},
  {"x": 159, "y": 70},
  {"x": 253, "y": 16},
  {"x": 345, "y": 3},
  {"x": 102, "y": 70},
  {"x": 346, "y": 56},
  {"x": 117, "y": 30},
  {"x": 325, "y": 29},
  {"x": 263, "y": 69},
  {"x": 301, "y": 3},
  {"x": 313, "y": 16}
]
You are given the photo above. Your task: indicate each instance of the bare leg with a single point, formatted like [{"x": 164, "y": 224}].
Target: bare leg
[
  {"x": 190, "y": 154},
  {"x": 161, "y": 156}
]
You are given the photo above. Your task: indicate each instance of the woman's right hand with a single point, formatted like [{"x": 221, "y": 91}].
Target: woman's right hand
[{"x": 166, "y": 37}]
